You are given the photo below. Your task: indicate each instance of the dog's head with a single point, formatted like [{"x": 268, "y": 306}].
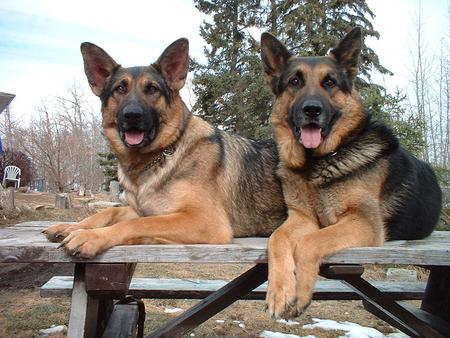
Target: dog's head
[
  {"x": 316, "y": 105},
  {"x": 141, "y": 106}
]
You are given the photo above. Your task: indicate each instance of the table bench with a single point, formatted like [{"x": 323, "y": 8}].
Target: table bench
[
  {"x": 98, "y": 281},
  {"x": 175, "y": 288}
]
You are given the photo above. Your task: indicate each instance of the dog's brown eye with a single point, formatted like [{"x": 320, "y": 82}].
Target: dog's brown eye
[
  {"x": 329, "y": 82},
  {"x": 295, "y": 81},
  {"x": 151, "y": 89},
  {"x": 121, "y": 89}
]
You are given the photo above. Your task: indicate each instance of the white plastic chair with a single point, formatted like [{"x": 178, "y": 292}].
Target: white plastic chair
[{"x": 12, "y": 173}]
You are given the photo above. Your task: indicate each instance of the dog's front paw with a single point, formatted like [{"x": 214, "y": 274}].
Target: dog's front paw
[
  {"x": 57, "y": 232},
  {"x": 303, "y": 302},
  {"x": 281, "y": 297},
  {"x": 86, "y": 243},
  {"x": 306, "y": 276}
]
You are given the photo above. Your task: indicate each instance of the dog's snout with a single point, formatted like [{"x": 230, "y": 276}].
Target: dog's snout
[
  {"x": 133, "y": 112},
  {"x": 312, "y": 108}
]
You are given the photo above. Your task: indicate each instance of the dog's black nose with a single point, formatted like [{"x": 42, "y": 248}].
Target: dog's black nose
[
  {"x": 312, "y": 108},
  {"x": 133, "y": 112}
]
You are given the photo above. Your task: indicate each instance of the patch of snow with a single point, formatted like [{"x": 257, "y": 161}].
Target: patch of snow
[
  {"x": 172, "y": 310},
  {"x": 220, "y": 321},
  {"x": 242, "y": 326},
  {"x": 353, "y": 330},
  {"x": 53, "y": 330},
  {"x": 270, "y": 334},
  {"x": 288, "y": 322}
]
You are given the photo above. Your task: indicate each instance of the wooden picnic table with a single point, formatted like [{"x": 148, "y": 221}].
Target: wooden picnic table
[{"x": 94, "y": 285}]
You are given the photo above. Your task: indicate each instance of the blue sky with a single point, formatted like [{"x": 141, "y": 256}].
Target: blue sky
[{"x": 39, "y": 40}]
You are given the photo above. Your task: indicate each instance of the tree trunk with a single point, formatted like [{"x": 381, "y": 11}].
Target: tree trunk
[
  {"x": 63, "y": 201},
  {"x": 114, "y": 191},
  {"x": 7, "y": 199}
]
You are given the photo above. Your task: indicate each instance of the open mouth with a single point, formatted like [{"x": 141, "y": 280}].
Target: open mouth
[
  {"x": 134, "y": 137},
  {"x": 310, "y": 135},
  {"x": 137, "y": 138}
]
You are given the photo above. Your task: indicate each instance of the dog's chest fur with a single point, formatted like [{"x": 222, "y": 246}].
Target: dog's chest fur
[
  {"x": 326, "y": 187},
  {"x": 158, "y": 189},
  {"x": 145, "y": 195}
]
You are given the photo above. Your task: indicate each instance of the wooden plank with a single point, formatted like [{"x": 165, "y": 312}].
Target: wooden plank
[
  {"x": 112, "y": 279},
  {"x": 213, "y": 304},
  {"x": 437, "y": 294},
  {"x": 390, "y": 310},
  {"x": 38, "y": 224},
  {"x": 383, "y": 315},
  {"x": 27, "y": 245},
  {"x": 83, "y": 309},
  {"x": 172, "y": 288},
  {"x": 440, "y": 325}
]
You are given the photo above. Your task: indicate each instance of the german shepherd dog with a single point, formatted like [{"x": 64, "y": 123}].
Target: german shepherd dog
[
  {"x": 345, "y": 179},
  {"x": 185, "y": 181}
]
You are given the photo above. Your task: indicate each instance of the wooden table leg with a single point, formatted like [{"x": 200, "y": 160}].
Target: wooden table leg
[
  {"x": 83, "y": 309},
  {"x": 437, "y": 293},
  {"x": 214, "y": 303},
  {"x": 88, "y": 314}
]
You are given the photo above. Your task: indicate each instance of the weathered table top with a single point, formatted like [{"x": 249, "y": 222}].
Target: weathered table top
[{"x": 24, "y": 243}]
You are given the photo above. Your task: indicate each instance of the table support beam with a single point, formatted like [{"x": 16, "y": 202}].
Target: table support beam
[
  {"x": 214, "y": 303},
  {"x": 382, "y": 305}
]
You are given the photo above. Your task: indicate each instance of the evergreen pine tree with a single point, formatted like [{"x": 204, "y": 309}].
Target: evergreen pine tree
[
  {"x": 311, "y": 27},
  {"x": 230, "y": 87},
  {"x": 227, "y": 86},
  {"x": 109, "y": 165}
]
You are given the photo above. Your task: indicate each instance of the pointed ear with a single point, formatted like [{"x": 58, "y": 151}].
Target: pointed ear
[
  {"x": 98, "y": 66},
  {"x": 347, "y": 51},
  {"x": 274, "y": 55},
  {"x": 174, "y": 63}
]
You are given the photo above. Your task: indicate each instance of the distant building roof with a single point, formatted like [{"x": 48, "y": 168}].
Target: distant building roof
[{"x": 5, "y": 99}]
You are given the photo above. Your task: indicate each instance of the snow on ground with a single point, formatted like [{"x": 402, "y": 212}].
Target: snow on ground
[
  {"x": 172, "y": 310},
  {"x": 352, "y": 330},
  {"x": 270, "y": 334},
  {"x": 288, "y": 322}
]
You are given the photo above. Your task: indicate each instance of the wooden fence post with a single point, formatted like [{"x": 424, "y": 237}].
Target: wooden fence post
[
  {"x": 62, "y": 201},
  {"x": 7, "y": 199}
]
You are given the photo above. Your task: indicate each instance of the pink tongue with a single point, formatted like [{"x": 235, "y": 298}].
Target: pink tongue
[
  {"x": 134, "y": 137},
  {"x": 311, "y": 136}
]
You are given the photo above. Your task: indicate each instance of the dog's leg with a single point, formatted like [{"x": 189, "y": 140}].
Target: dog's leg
[
  {"x": 57, "y": 232},
  {"x": 281, "y": 291},
  {"x": 352, "y": 230},
  {"x": 188, "y": 227}
]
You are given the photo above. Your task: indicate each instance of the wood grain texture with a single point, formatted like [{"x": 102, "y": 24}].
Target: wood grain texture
[
  {"x": 25, "y": 243},
  {"x": 172, "y": 288}
]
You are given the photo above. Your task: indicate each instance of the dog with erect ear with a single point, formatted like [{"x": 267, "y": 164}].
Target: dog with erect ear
[
  {"x": 185, "y": 181},
  {"x": 346, "y": 180}
]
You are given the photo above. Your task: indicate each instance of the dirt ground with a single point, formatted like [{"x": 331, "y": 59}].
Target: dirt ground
[{"x": 23, "y": 312}]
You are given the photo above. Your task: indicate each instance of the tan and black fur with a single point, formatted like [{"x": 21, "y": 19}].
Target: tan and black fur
[
  {"x": 185, "y": 181},
  {"x": 346, "y": 180}
]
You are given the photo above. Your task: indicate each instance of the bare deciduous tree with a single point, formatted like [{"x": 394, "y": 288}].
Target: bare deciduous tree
[
  {"x": 430, "y": 96},
  {"x": 63, "y": 141}
]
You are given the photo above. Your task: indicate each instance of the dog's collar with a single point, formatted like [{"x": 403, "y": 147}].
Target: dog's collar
[{"x": 166, "y": 153}]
